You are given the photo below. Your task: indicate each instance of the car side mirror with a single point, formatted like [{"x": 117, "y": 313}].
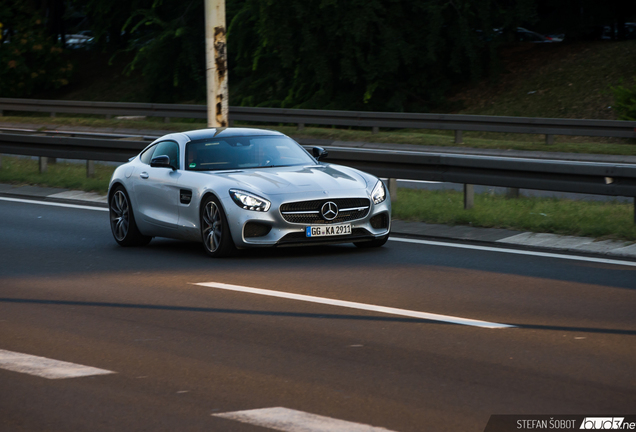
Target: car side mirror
[
  {"x": 319, "y": 152},
  {"x": 162, "y": 161}
]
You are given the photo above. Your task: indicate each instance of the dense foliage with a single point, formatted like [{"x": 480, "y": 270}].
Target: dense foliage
[
  {"x": 395, "y": 55},
  {"x": 379, "y": 55},
  {"x": 30, "y": 59},
  {"x": 169, "y": 41},
  {"x": 398, "y": 55},
  {"x": 625, "y": 101}
]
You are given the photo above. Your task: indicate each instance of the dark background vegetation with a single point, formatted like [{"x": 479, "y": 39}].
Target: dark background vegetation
[{"x": 377, "y": 55}]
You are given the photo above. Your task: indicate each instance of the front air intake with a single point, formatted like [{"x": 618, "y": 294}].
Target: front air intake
[{"x": 255, "y": 229}]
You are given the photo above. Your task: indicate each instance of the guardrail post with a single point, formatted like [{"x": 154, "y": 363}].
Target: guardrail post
[
  {"x": 393, "y": 189},
  {"x": 108, "y": 116},
  {"x": 0, "y": 161},
  {"x": 549, "y": 139},
  {"x": 43, "y": 164},
  {"x": 634, "y": 210},
  {"x": 166, "y": 119},
  {"x": 375, "y": 130},
  {"x": 458, "y": 137},
  {"x": 512, "y": 193},
  {"x": 301, "y": 126},
  {"x": 469, "y": 196},
  {"x": 90, "y": 169},
  {"x": 0, "y": 113},
  {"x": 52, "y": 115}
]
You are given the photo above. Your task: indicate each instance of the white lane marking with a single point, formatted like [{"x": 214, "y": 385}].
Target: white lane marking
[
  {"x": 516, "y": 251},
  {"x": 54, "y": 204},
  {"x": 355, "y": 305},
  {"x": 289, "y": 420},
  {"x": 45, "y": 367}
]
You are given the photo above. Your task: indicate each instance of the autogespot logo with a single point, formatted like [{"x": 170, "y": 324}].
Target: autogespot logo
[
  {"x": 538, "y": 423},
  {"x": 329, "y": 210},
  {"x": 607, "y": 423}
]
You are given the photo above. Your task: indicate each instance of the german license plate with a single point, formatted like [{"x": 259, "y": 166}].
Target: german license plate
[{"x": 328, "y": 230}]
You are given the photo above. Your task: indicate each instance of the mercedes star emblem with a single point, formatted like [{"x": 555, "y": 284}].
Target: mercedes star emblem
[{"x": 329, "y": 210}]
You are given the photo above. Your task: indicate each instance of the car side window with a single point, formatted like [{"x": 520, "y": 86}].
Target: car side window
[
  {"x": 147, "y": 155},
  {"x": 170, "y": 149}
]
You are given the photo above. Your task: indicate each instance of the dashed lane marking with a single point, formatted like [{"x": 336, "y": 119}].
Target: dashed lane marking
[
  {"x": 516, "y": 251},
  {"x": 289, "y": 420},
  {"x": 45, "y": 367},
  {"x": 355, "y": 305},
  {"x": 54, "y": 204}
]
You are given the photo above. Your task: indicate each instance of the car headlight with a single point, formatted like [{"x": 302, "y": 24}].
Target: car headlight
[
  {"x": 379, "y": 193},
  {"x": 249, "y": 201}
]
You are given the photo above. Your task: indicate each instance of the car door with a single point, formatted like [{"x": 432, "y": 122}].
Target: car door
[{"x": 156, "y": 189}]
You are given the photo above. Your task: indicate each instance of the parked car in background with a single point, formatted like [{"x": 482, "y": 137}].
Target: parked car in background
[
  {"x": 80, "y": 40},
  {"x": 611, "y": 32},
  {"x": 525, "y": 35},
  {"x": 521, "y": 34}
]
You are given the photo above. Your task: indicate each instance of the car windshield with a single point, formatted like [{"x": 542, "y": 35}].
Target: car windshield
[{"x": 245, "y": 152}]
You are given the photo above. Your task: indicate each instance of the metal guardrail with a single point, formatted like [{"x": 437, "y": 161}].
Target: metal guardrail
[
  {"x": 112, "y": 150},
  {"x": 610, "y": 179},
  {"x": 564, "y": 176},
  {"x": 375, "y": 120},
  {"x": 561, "y": 176}
]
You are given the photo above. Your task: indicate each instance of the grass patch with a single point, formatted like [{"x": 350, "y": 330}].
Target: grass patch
[
  {"x": 587, "y": 145},
  {"x": 599, "y": 219},
  {"x": 570, "y": 80},
  {"x": 17, "y": 170}
]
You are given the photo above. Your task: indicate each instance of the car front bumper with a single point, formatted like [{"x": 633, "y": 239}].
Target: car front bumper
[{"x": 273, "y": 230}]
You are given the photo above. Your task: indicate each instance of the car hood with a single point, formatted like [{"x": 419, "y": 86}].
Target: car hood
[{"x": 282, "y": 180}]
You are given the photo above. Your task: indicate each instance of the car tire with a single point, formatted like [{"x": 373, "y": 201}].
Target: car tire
[
  {"x": 215, "y": 231},
  {"x": 122, "y": 220},
  {"x": 373, "y": 243}
]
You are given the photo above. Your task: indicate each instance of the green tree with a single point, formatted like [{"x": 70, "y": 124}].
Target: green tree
[
  {"x": 397, "y": 55},
  {"x": 168, "y": 39},
  {"x": 107, "y": 19},
  {"x": 30, "y": 59}
]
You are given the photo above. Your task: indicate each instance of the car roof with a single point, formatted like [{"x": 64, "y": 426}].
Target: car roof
[{"x": 227, "y": 132}]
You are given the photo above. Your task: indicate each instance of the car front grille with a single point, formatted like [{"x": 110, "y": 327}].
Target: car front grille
[{"x": 308, "y": 212}]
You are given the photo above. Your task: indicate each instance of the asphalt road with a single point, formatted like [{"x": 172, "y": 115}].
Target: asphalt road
[{"x": 183, "y": 353}]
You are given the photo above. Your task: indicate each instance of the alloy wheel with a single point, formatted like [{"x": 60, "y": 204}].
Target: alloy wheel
[
  {"x": 119, "y": 215},
  {"x": 212, "y": 226}
]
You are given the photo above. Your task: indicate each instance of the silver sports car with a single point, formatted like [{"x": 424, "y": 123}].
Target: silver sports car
[{"x": 237, "y": 188}]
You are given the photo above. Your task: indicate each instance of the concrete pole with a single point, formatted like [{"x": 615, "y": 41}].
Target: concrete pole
[
  {"x": 393, "y": 188},
  {"x": 90, "y": 169},
  {"x": 512, "y": 193},
  {"x": 469, "y": 196},
  {"x": 216, "y": 63}
]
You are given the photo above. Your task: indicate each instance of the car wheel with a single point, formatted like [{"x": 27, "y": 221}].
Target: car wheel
[
  {"x": 373, "y": 243},
  {"x": 122, "y": 220},
  {"x": 215, "y": 231}
]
